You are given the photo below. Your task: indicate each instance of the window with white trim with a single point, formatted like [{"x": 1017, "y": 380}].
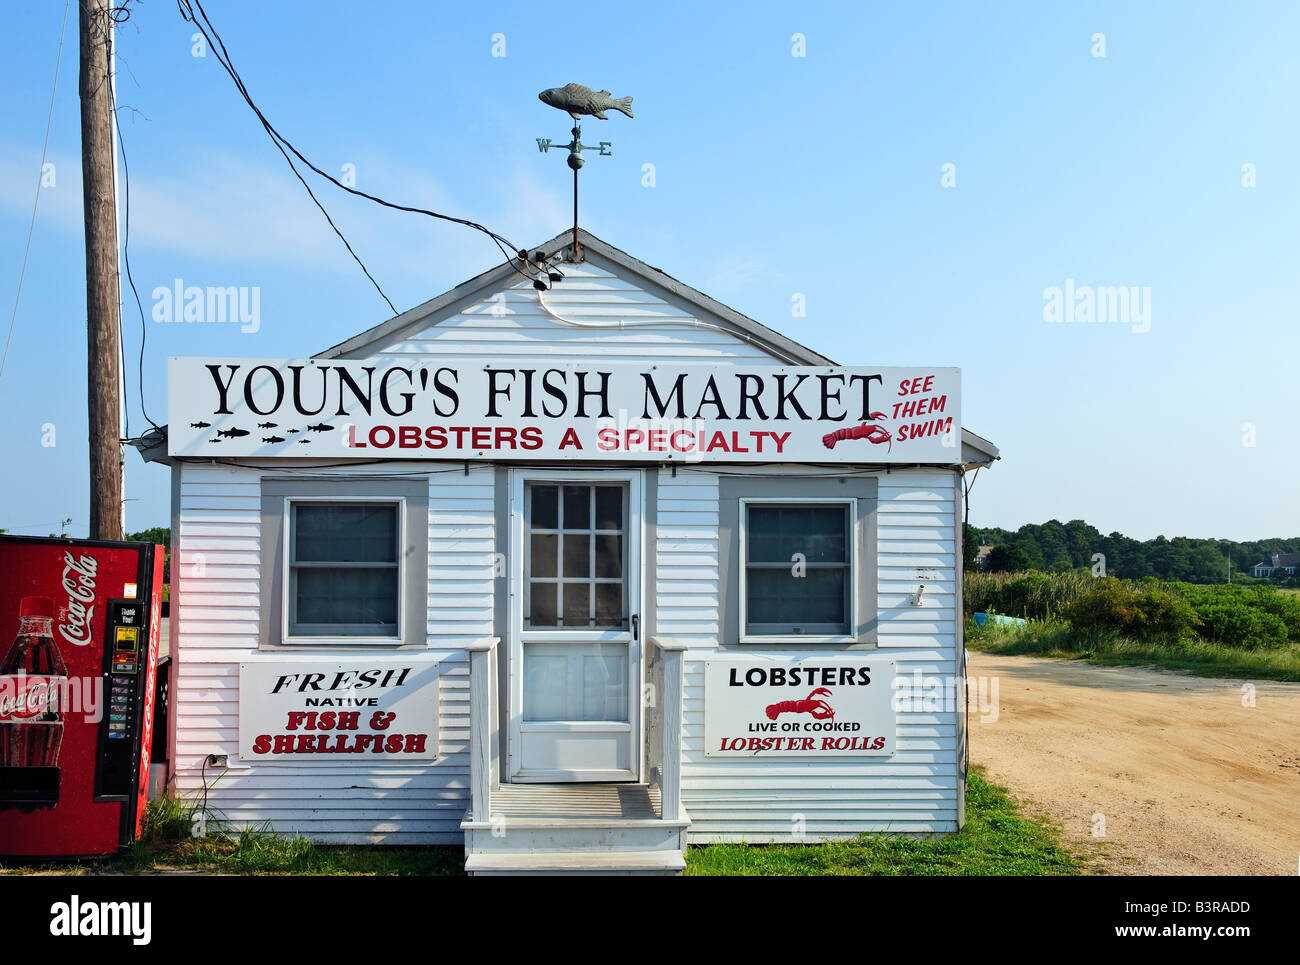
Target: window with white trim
[
  {"x": 797, "y": 573},
  {"x": 344, "y": 566}
]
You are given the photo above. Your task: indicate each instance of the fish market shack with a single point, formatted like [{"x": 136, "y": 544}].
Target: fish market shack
[{"x": 576, "y": 578}]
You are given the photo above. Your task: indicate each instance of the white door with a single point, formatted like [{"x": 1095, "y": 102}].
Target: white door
[{"x": 575, "y": 648}]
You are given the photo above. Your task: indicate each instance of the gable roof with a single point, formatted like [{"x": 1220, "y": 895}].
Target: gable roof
[
  {"x": 976, "y": 450},
  {"x": 654, "y": 279}
]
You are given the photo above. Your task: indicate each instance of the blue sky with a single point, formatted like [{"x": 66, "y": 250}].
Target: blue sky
[{"x": 774, "y": 175}]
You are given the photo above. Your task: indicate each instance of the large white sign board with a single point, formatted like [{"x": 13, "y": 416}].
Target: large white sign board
[
  {"x": 840, "y": 706},
  {"x": 444, "y": 409},
  {"x": 350, "y": 710}
]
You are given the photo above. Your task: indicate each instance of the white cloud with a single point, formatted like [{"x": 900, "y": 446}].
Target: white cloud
[
  {"x": 734, "y": 274},
  {"x": 228, "y": 208}
]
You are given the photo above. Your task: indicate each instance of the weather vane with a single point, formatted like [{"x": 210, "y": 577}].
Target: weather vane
[{"x": 576, "y": 100}]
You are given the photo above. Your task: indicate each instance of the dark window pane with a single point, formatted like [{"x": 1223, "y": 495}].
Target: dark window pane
[
  {"x": 609, "y": 507},
  {"x": 541, "y": 598},
  {"x": 346, "y": 596},
  {"x": 577, "y": 507},
  {"x": 545, "y": 511},
  {"x": 577, "y": 554},
  {"x": 827, "y": 530},
  {"x": 775, "y": 534},
  {"x": 577, "y": 604},
  {"x": 609, "y": 604},
  {"x": 777, "y": 596},
  {"x": 609, "y": 555},
  {"x": 545, "y": 547},
  {"x": 334, "y": 533}
]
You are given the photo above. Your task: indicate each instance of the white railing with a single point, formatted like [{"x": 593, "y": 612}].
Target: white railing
[
  {"x": 666, "y": 736},
  {"x": 484, "y": 727}
]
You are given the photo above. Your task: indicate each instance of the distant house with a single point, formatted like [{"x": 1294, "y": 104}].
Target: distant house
[
  {"x": 982, "y": 557},
  {"x": 1279, "y": 561}
]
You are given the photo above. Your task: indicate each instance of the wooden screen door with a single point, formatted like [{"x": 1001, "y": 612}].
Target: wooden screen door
[{"x": 575, "y": 635}]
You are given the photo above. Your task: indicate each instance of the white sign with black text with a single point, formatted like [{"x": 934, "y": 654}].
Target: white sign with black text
[
  {"x": 350, "y": 710},
  {"x": 609, "y": 411},
  {"x": 837, "y": 706}
]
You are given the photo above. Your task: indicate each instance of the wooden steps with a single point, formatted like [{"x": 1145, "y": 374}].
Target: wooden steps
[
  {"x": 560, "y": 829},
  {"x": 578, "y": 863}
]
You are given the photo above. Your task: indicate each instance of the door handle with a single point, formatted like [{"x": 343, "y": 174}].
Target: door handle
[{"x": 636, "y": 626}]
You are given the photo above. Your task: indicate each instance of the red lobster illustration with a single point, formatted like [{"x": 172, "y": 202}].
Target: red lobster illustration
[
  {"x": 873, "y": 434},
  {"x": 818, "y": 708}
]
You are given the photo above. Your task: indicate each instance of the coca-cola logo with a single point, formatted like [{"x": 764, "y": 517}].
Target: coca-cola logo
[
  {"x": 79, "y": 582},
  {"x": 23, "y": 697}
]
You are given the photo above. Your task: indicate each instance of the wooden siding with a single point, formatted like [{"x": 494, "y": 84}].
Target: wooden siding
[
  {"x": 513, "y": 325},
  {"x": 215, "y": 625},
  {"x": 916, "y": 791}
]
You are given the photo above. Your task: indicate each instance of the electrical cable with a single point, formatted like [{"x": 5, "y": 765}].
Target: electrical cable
[
  {"x": 49, "y": 118},
  {"x": 215, "y": 42}
]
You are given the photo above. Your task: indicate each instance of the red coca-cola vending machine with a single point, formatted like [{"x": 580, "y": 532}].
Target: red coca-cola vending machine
[{"x": 79, "y": 624}]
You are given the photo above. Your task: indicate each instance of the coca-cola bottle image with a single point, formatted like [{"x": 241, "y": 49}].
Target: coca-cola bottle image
[{"x": 32, "y": 677}]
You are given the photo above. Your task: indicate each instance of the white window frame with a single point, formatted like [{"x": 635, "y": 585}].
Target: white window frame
[
  {"x": 285, "y": 581},
  {"x": 742, "y": 526}
]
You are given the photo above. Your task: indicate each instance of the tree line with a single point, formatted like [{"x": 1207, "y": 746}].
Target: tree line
[{"x": 1056, "y": 547}]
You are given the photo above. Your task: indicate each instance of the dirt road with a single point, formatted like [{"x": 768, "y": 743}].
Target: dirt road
[{"x": 1178, "y": 773}]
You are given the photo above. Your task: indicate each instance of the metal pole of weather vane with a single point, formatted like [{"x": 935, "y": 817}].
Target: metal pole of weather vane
[{"x": 577, "y": 100}]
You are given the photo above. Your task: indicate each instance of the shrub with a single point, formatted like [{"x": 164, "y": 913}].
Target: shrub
[
  {"x": 1145, "y": 609},
  {"x": 1235, "y": 624},
  {"x": 1281, "y": 605}
]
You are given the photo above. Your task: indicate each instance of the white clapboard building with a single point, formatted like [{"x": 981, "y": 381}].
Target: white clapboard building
[{"x": 577, "y": 578}]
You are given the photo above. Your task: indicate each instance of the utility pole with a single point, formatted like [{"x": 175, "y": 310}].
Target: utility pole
[{"x": 102, "y": 301}]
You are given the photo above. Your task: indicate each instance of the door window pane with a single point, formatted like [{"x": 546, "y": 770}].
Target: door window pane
[
  {"x": 569, "y": 682},
  {"x": 577, "y": 555},
  {"x": 609, "y": 604},
  {"x": 609, "y": 555},
  {"x": 545, "y": 548},
  {"x": 577, "y": 507},
  {"x": 541, "y": 597},
  {"x": 609, "y": 507},
  {"x": 545, "y": 507},
  {"x": 577, "y": 604}
]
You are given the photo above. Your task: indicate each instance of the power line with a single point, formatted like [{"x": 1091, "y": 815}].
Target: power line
[
  {"x": 511, "y": 252},
  {"x": 32, "y": 226}
]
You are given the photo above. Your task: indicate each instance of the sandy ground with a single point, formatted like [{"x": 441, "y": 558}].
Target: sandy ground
[{"x": 1177, "y": 775}]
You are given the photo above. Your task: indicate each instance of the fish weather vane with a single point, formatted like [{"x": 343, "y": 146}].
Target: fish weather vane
[{"x": 576, "y": 100}]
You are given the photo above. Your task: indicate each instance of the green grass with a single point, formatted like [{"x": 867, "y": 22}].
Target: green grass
[
  {"x": 1202, "y": 658},
  {"x": 166, "y": 845},
  {"x": 997, "y": 840}
]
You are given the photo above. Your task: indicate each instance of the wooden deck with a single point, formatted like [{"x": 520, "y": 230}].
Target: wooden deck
[{"x": 627, "y": 801}]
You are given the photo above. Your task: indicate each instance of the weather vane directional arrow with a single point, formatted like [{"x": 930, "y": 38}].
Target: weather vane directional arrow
[{"x": 576, "y": 100}]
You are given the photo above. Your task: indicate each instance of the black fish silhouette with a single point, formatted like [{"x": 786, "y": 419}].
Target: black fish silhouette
[
  {"x": 267, "y": 425},
  {"x": 295, "y": 430},
  {"x": 320, "y": 427},
  {"x": 272, "y": 438},
  {"x": 232, "y": 433},
  {"x": 216, "y": 440},
  {"x": 200, "y": 425},
  {"x": 303, "y": 442}
]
